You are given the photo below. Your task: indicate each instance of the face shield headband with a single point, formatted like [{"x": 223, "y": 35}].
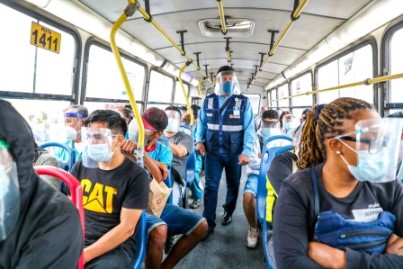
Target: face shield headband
[
  {"x": 9, "y": 192},
  {"x": 375, "y": 144}
]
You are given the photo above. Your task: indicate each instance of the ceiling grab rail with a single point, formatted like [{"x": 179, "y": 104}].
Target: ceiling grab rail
[
  {"x": 149, "y": 18},
  {"x": 188, "y": 105},
  {"x": 222, "y": 17},
  {"x": 368, "y": 81},
  {"x": 294, "y": 16},
  {"x": 129, "y": 11}
]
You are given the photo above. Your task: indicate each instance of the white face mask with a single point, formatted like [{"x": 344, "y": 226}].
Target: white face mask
[
  {"x": 71, "y": 133},
  {"x": 173, "y": 125}
]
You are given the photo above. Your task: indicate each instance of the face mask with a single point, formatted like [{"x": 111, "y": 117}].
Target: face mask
[
  {"x": 266, "y": 132},
  {"x": 99, "y": 152},
  {"x": 371, "y": 166},
  {"x": 71, "y": 133},
  {"x": 227, "y": 87},
  {"x": 173, "y": 125},
  {"x": 288, "y": 126}
]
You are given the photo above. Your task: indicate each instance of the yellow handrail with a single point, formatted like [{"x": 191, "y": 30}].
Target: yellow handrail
[
  {"x": 188, "y": 105},
  {"x": 349, "y": 85},
  {"x": 294, "y": 16},
  {"x": 126, "y": 82},
  {"x": 199, "y": 88},
  {"x": 222, "y": 17}
]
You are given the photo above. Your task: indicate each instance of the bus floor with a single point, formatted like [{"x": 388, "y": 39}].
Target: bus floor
[{"x": 225, "y": 248}]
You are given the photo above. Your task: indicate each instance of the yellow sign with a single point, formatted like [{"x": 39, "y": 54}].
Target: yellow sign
[{"x": 45, "y": 38}]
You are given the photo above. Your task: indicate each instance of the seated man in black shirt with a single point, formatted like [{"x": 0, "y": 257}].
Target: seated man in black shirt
[
  {"x": 115, "y": 192},
  {"x": 39, "y": 226}
]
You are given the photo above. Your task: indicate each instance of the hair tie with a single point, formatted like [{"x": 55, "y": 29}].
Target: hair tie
[{"x": 318, "y": 110}]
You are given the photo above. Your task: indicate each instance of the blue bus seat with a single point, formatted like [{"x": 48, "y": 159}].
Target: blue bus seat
[
  {"x": 268, "y": 155},
  {"x": 190, "y": 170},
  {"x": 141, "y": 241},
  {"x": 65, "y": 165}
]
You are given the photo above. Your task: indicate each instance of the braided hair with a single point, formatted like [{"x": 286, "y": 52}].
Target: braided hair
[{"x": 325, "y": 121}]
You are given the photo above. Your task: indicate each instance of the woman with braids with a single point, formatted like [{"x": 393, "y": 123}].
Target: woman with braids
[{"x": 334, "y": 212}]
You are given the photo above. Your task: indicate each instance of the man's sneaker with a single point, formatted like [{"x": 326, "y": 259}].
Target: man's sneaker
[
  {"x": 195, "y": 204},
  {"x": 226, "y": 218},
  {"x": 251, "y": 240}
]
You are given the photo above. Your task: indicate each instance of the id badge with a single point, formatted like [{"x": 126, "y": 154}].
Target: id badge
[{"x": 237, "y": 112}]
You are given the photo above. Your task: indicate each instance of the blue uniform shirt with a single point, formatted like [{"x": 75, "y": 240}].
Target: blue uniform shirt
[
  {"x": 161, "y": 154},
  {"x": 247, "y": 123}
]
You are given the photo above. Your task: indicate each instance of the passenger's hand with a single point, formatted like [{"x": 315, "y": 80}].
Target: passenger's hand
[
  {"x": 128, "y": 147},
  {"x": 86, "y": 256},
  {"x": 200, "y": 149},
  {"x": 243, "y": 159},
  {"x": 326, "y": 256},
  {"x": 394, "y": 245}
]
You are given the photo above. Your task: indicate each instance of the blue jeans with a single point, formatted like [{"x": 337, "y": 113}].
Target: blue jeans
[{"x": 214, "y": 166}]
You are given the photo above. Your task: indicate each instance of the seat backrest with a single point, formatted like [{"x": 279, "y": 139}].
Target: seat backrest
[
  {"x": 64, "y": 164},
  {"x": 268, "y": 155},
  {"x": 76, "y": 193},
  {"x": 141, "y": 241},
  {"x": 190, "y": 168}
]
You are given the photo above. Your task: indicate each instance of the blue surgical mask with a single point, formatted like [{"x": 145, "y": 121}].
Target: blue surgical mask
[
  {"x": 266, "y": 133},
  {"x": 288, "y": 126},
  {"x": 173, "y": 125},
  {"x": 227, "y": 87},
  {"x": 99, "y": 152},
  {"x": 371, "y": 166}
]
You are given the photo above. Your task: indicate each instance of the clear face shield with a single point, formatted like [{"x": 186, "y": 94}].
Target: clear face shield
[
  {"x": 97, "y": 144},
  {"x": 377, "y": 153},
  {"x": 9, "y": 192},
  {"x": 227, "y": 83},
  {"x": 133, "y": 133},
  {"x": 174, "y": 120}
]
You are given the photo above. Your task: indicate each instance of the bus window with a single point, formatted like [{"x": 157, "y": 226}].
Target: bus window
[
  {"x": 35, "y": 70},
  {"x": 160, "y": 88},
  {"x": 301, "y": 85},
  {"x": 273, "y": 98},
  {"x": 283, "y": 92},
  {"x": 104, "y": 79},
  {"x": 254, "y": 102},
  {"x": 396, "y": 66},
  {"x": 352, "y": 67},
  {"x": 179, "y": 99}
]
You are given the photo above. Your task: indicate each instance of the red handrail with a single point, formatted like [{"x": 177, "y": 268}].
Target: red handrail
[{"x": 76, "y": 193}]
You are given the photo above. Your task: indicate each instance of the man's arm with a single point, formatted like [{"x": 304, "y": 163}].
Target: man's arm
[
  {"x": 183, "y": 145},
  {"x": 201, "y": 126},
  {"x": 178, "y": 150},
  {"x": 116, "y": 236},
  {"x": 249, "y": 130},
  {"x": 158, "y": 170}
]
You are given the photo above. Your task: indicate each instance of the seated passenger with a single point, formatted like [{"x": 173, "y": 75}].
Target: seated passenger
[
  {"x": 181, "y": 145},
  {"x": 343, "y": 154},
  {"x": 173, "y": 220},
  {"x": 185, "y": 124},
  {"x": 73, "y": 116},
  {"x": 39, "y": 226},
  {"x": 269, "y": 128},
  {"x": 42, "y": 157},
  {"x": 115, "y": 192}
]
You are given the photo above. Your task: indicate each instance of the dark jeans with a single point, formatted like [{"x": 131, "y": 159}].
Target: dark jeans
[
  {"x": 214, "y": 167},
  {"x": 117, "y": 258}
]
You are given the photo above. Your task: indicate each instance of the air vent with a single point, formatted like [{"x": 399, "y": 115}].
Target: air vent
[{"x": 235, "y": 27}]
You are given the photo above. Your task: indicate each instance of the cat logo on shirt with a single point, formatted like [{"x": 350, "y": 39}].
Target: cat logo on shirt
[{"x": 97, "y": 197}]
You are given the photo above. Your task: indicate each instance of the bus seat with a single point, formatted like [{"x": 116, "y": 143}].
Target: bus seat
[
  {"x": 268, "y": 155},
  {"x": 190, "y": 168},
  {"x": 76, "y": 194},
  {"x": 141, "y": 241},
  {"x": 65, "y": 165}
]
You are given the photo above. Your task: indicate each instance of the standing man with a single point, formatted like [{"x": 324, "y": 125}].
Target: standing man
[{"x": 225, "y": 136}]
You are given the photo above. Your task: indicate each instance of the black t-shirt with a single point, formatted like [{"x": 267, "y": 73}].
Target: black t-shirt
[
  {"x": 105, "y": 192},
  {"x": 294, "y": 218}
]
